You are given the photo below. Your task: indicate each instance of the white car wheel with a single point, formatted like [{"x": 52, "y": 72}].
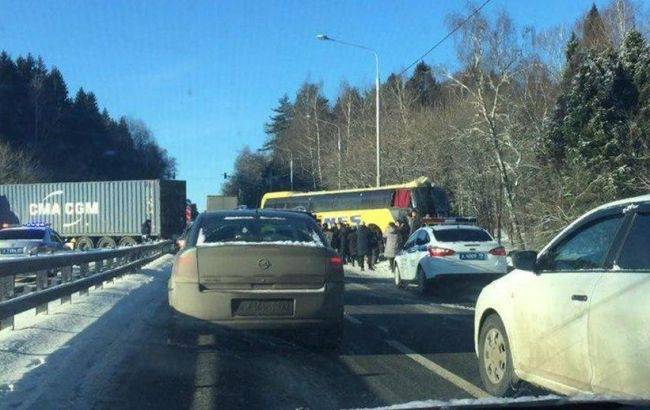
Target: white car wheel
[
  {"x": 495, "y": 359},
  {"x": 423, "y": 283}
]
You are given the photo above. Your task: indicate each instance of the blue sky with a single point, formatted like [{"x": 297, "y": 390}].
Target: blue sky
[{"x": 204, "y": 75}]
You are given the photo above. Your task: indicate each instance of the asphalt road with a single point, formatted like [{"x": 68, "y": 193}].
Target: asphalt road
[{"x": 398, "y": 347}]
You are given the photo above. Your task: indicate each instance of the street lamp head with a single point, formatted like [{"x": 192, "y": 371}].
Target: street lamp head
[{"x": 322, "y": 37}]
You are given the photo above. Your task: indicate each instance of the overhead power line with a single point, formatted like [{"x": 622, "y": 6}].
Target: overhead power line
[{"x": 445, "y": 37}]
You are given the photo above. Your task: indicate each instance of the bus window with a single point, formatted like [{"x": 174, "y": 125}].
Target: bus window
[
  {"x": 376, "y": 199},
  {"x": 279, "y": 203},
  {"x": 440, "y": 201},
  {"x": 347, "y": 201},
  {"x": 431, "y": 201},
  {"x": 402, "y": 198},
  {"x": 322, "y": 203}
]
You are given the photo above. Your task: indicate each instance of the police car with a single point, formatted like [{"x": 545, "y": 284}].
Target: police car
[
  {"x": 449, "y": 247},
  {"x": 30, "y": 239}
]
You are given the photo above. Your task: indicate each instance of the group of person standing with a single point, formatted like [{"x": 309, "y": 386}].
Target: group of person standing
[
  {"x": 363, "y": 244},
  {"x": 358, "y": 244}
]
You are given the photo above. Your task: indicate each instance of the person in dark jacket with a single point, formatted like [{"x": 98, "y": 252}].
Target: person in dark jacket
[
  {"x": 343, "y": 242},
  {"x": 414, "y": 222},
  {"x": 399, "y": 230},
  {"x": 335, "y": 236},
  {"x": 376, "y": 244},
  {"x": 404, "y": 232},
  {"x": 352, "y": 244},
  {"x": 145, "y": 229},
  {"x": 363, "y": 246},
  {"x": 328, "y": 234}
]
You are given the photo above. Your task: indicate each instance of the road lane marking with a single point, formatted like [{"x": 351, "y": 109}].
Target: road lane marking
[
  {"x": 353, "y": 320},
  {"x": 439, "y": 370},
  {"x": 454, "y": 306},
  {"x": 355, "y": 286}
]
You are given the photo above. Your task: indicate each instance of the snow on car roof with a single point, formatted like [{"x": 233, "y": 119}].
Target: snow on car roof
[
  {"x": 460, "y": 226},
  {"x": 22, "y": 228}
]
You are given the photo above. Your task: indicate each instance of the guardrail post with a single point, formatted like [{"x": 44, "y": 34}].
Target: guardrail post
[
  {"x": 66, "y": 276},
  {"x": 42, "y": 283},
  {"x": 84, "y": 268},
  {"x": 7, "y": 291}
]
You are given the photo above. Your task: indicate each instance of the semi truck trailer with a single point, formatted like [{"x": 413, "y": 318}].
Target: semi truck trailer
[{"x": 99, "y": 214}]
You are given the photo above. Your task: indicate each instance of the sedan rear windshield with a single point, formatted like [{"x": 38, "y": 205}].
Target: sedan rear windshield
[
  {"x": 22, "y": 234},
  {"x": 462, "y": 235},
  {"x": 219, "y": 229}
]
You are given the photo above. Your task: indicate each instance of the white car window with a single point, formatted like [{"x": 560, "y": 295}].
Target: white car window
[
  {"x": 411, "y": 240},
  {"x": 422, "y": 238},
  {"x": 585, "y": 248},
  {"x": 635, "y": 254},
  {"x": 462, "y": 235}
]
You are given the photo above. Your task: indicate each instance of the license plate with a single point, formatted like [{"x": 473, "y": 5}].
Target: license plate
[
  {"x": 11, "y": 251},
  {"x": 262, "y": 307},
  {"x": 472, "y": 256}
]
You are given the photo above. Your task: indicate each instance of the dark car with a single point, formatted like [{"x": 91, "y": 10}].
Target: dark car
[
  {"x": 30, "y": 240},
  {"x": 259, "y": 269}
]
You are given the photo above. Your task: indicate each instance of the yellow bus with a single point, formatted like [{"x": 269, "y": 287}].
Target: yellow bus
[{"x": 374, "y": 206}]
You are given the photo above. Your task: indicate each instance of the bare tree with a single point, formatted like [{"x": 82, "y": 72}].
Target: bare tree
[
  {"x": 17, "y": 167},
  {"x": 494, "y": 63}
]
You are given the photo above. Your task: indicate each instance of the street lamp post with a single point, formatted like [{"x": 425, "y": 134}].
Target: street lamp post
[{"x": 324, "y": 37}]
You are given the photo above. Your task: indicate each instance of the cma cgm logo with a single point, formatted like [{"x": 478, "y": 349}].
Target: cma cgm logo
[
  {"x": 353, "y": 220},
  {"x": 68, "y": 208}
]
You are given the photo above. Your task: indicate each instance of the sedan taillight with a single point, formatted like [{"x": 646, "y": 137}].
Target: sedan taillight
[
  {"x": 499, "y": 251},
  {"x": 185, "y": 269},
  {"x": 435, "y": 251},
  {"x": 336, "y": 261}
]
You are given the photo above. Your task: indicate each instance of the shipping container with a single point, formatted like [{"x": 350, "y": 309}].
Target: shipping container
[
  {"x": 107, "y": 212},
  {"x": 221, "y": 202}
]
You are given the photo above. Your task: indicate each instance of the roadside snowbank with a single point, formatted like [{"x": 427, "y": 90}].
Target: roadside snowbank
[
  {"x": 549, "y": 400},
  {"x": 35, "y": 338}
]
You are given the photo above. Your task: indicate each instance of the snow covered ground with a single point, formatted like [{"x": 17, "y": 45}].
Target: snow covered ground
[
  {"x": 382, "y": 270},
  {"x": 67, "y": 329}
]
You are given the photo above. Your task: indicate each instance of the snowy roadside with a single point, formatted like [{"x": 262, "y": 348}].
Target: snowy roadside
[
  {"x": 382, "y": 270},
  {"x": 36, "y": 338}
]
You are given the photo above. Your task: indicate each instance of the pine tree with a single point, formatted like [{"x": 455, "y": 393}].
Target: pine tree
[
  {"x": 422, "y": 85},
  {"x": 553, "y": 145},
  {"x": 279, "y": 124},
  {"x": 594, "y": 31}
]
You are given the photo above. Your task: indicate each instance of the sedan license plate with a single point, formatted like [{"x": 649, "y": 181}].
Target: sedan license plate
[
  {"x": 472, "y": 256},
  {"x": 262, "y": 307},
  {"x": 11, "y": 251}
]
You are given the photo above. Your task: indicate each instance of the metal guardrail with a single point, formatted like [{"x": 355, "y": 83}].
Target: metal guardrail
[{"x": 35, "y": 281}]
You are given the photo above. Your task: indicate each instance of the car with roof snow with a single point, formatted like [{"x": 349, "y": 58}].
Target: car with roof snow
[
  {"x": 449, "y": 247},
  {"x": 259, "y": 269},
  {"x": 573, "y": 318},
  {"x": 29, "y": 240}
]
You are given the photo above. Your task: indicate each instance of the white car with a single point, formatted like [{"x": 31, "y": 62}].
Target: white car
[
  {"x": 574, "y": 318},
  {"x": 448, "y": 248}
]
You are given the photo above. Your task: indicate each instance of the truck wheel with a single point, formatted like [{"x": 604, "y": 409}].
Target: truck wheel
[
  {"x": 127, "y": 241},
  {"x": 106, "y": 242},
  {"x": 85, "y": 243}
]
